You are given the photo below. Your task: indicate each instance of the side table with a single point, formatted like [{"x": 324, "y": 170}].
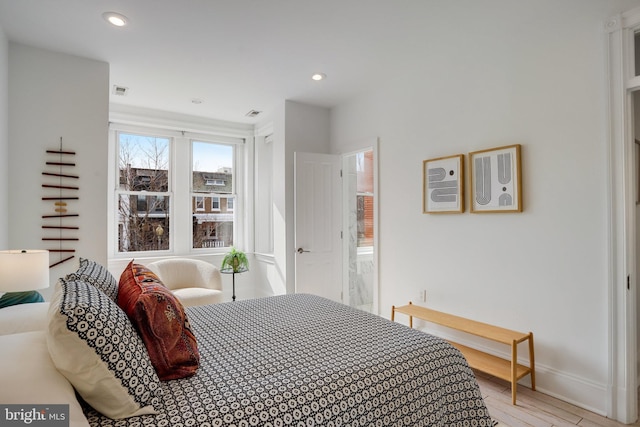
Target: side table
[{"x": 233, "y": 277}]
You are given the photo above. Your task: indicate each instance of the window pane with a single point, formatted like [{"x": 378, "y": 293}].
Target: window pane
[
  {"x": 143, "y": 223},
  {"x": 143, "y": 163},
  {"x": 213, "y": 228},
  {"x": 212, "y": 173},
  {"x": 143, "y": 167},
  {"x": 212, "y": 168},
  {"x": 199, "y": 203}
]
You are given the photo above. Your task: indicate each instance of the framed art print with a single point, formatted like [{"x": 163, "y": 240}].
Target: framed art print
[
  {"x": 443, "y": 185},
  {"x": 496, "y": 180}
]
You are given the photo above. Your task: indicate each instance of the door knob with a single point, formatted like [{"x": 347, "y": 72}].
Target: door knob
[{"x": 300, "y": 250}]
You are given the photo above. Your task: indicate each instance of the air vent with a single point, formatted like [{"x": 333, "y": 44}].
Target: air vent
[
  {"x": 253, "y": 113},
  {"x": 120, "y": 90}
]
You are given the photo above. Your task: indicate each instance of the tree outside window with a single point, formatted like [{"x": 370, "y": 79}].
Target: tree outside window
[{"x": 143, "y": 194}]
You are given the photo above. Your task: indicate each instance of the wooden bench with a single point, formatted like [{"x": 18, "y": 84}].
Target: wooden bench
[{"x": 508, "y": 370}]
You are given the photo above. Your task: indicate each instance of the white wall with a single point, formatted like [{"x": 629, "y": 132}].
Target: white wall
[
  {"x": 52, "y": 95},
  {"x": 497, "y": 73},
  {"x": 296, "y": 127},
  {"x": 4, "y": 140}
]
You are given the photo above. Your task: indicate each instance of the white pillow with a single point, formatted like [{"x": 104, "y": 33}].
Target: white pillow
[
  {"x": 29, "y": 376},
  {"x": 93, "y": 344},
  {"x": 23, "y": 318}
]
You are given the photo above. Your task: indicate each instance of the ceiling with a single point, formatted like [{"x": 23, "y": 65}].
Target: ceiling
[{"x": 234, "y": 55}]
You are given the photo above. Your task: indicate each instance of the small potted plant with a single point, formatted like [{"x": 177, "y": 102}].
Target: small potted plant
[{"x": 235, "y": 260}]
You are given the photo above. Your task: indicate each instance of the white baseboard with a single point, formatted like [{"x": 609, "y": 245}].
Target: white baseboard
[{"x": 572, "y": 389}]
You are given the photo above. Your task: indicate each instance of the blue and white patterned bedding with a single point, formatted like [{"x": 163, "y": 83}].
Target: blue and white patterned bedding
[{"x": 301, "y": 360}]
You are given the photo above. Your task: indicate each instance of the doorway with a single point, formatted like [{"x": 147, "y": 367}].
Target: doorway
[
  {"x": 336, "y": 226},
  {"x": 624, "y": 80},
  {"x": 635, "y": 108},
  {"x": 359, "y": 230}
]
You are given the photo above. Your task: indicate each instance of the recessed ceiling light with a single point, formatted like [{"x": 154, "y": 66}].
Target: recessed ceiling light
[
  {"x": 319, "y": 76},
  {"x": 116, "y": 19}
]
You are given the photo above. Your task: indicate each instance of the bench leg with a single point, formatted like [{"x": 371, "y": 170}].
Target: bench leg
[
  {"x": 411, "y": 317},
  {"x": 514, "y": 370},
  {"x": 532, "y": 363},
  {"x": 393, "y": 315}
]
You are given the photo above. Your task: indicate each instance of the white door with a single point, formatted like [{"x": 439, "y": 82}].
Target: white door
[{"x": 318, "y": 225}]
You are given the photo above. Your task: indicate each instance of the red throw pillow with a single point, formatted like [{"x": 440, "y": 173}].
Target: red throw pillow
[{"x": 160, "y": 320}]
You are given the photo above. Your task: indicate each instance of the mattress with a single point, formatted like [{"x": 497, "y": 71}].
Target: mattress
[{"x": 302, "y": 360}]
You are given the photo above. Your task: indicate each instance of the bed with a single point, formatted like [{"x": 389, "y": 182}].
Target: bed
[{"x": 291, "y": 360}]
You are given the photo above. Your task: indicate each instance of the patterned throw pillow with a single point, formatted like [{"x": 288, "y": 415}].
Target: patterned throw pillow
[
  {"x": 93, "y": 344},
  {"x": 160, "y": 320},
  {"x": 96, "y": 275}
]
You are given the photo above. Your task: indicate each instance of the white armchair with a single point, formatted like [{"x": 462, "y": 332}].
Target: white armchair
[{"x": 192, "y": 281}]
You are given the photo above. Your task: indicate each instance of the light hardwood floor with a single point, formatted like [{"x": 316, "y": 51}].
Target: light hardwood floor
[{"x": 534, "y": 408}]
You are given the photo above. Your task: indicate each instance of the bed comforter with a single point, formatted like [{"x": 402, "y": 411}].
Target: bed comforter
[{"x": 301, "y": 360}]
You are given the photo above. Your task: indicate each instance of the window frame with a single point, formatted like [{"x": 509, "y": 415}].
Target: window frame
[
  {"x": 203, "y": 200},
  {"x": 213, "y": 194},
  {"x": 215, "y": 183},
  {"x": 215, "y": 200},
  {"x": 142, "y": 193},
  {"x": 180, "y": 158}
]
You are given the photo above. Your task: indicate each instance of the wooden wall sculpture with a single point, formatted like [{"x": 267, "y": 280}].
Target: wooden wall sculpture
[{"x": 60, "y": 189}]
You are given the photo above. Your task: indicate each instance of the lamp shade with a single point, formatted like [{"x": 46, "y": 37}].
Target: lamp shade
[{"x": 24, "y": 270}]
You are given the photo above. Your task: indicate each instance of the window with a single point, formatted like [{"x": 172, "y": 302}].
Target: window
[
  {"x": 212, "y": 174},
  {"x": 167, "y": 182},
  {"x": 217, "y": 182},
  {"x": 143, "y": 193},
  {"x": 215, "y": 203},
  {"x": 200, "y": 203}
]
